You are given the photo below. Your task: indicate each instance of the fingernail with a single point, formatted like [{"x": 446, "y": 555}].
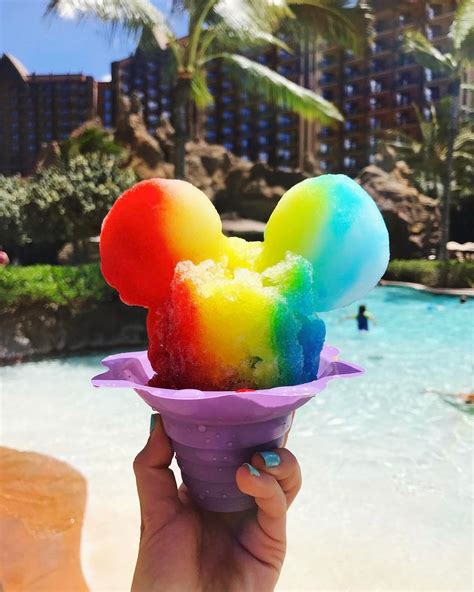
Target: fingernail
[
  {"x": 252, "y": 470},
  {"x": 152, "y": 423},
  {"x": 271, "y": 459}
]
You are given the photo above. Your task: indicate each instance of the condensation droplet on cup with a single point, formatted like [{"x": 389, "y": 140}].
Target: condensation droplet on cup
[
  {"x": 218, "y": 436},
  {"x": 226, "y": 458},
  {"x": 224, "y": 496},
  {"x": 207, "y": 492},
  {"x": 220, "y": 469},
  {"x": 207, "y": 440},
  {"x": 201, "y": 497},
  {"x": 188, "y": 428},
  {"x": 214, "y": 458},
  {"x": 202, "y": 428},
  {"x": 230, "y": 444}
]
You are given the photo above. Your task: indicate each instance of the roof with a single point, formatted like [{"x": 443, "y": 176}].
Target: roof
[{"x": 17, "y": 65}]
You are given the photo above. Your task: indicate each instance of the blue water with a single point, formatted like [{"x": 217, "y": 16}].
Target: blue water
[{"x": 387, "y": 463}]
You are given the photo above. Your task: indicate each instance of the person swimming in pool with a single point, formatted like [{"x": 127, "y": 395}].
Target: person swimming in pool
[{"x": 362, "y": 317}]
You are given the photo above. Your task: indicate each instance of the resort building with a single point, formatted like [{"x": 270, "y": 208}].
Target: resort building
[
  {"x": 35, "y": 109},
  {"x": 374, "y": 93},
  {"x": 377, "y": 93}
]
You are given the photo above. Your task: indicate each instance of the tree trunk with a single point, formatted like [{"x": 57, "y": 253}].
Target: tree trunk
[
  {"x": 446, "y": 205},
  {"x": 180, "y": 117}
]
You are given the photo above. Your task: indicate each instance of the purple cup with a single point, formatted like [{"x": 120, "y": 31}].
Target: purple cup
[{"x": 214, "y": 432}]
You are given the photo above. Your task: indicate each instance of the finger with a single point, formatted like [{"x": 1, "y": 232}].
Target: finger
[
  {"x": 282, "y": 464},
  {"x": 269, "y": 497},
  {"x": 156, "y": 484}
]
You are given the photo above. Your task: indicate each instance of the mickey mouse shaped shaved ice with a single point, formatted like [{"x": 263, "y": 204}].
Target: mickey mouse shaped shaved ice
[{"x": 227, "y": 314}]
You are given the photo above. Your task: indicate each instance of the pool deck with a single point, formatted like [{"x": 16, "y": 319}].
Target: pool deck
[{"x": 468, "y": 292}]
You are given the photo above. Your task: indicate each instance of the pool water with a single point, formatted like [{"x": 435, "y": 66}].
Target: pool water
[{"x": 387, "y": 497}]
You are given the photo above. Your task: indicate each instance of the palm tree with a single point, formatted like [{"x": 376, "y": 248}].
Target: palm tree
[
  {"x": 89, "y": 138},
  {"x": 218, "y": 30},
  {"x": 427, "y": 156},
  {"x": 452, "y": 64}
]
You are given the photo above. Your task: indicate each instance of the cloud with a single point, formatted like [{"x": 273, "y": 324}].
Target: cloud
[{"x": 105, "y": 78}]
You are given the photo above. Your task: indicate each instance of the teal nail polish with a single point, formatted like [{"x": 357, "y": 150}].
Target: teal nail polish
[
  {"x": 252, "y": 470},
  {"x": 152, "y": 423},
  {"x": 271, "y": 459}
]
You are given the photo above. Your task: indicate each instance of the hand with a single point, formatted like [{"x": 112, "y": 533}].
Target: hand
[{"x": 186, "y": 549}]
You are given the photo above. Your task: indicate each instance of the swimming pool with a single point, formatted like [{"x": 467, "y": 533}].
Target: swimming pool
[{"x": 386, "y": 501}]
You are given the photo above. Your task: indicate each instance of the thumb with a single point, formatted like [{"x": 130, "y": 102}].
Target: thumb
[{"x": 156, "y": 484}]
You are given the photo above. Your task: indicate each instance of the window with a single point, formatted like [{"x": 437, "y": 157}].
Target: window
[
  {"x": 323, "y": 165},
  {"x": 374, "y": 122},
  {"x": 229, "y": 145},
  {"x": 350, "y": 108},
  {"x": 284, "y": 155},
  {"x": 323, "y": 149},
  {"x": 284, "y": 120},
  {"x": 402, "y": 99},
  {"x": 263, "y": 156},
  {"x": 404, "y": 19},
  {"x": 349, "y": 162},
  {"x": 376, "y": 86},
  {"x": 327, "y": 78},
  {"x": 284, "y": 137}
]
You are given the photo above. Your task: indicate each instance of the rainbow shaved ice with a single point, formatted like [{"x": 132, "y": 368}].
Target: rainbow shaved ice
[{"x": 227, "y": 314}]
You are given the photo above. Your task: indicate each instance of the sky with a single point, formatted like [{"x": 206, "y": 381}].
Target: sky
[{"x": 58, "y": 46}]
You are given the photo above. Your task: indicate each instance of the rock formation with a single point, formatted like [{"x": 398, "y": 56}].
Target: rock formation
[
  {"x": 412, "y": 218},
  {"x": 243, "y": 189}
]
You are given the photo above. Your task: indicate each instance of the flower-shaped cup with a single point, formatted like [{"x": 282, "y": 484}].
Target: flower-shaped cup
[{"x": 214, "y": 432}]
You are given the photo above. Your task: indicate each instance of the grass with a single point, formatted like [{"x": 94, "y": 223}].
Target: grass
[
  {"x": 53, "y": 285},
  {"x": 460, "y": 274},
  {"x": 83, "y": 285}
]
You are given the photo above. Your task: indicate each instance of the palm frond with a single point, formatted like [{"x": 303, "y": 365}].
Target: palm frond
[
  {"x": 131, "y": 16},
  {"x": 336, "y": 21},
  {"x": 462, "y": 30},
  {"x": 426, "y": 54},
  {"x": 199, "y": 89},
  {"x": 279, "y": 91},
  {"x": 243, "y": 23},
  {"x": 247, "y": 15}
]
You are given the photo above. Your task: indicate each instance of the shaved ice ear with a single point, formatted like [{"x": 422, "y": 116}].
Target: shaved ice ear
[
  {"x": 336, "y": 225},
  {"x": 149, "y": 229}
]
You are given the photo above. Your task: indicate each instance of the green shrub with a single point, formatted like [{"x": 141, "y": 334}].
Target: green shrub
[
  {"x": 53, "y": 285},
  {"x": 63, "y": 203},
  {"x": 460, "y": 273},
  {"x": 14, "y": 195},
  {"x": 68, "y": 203}
]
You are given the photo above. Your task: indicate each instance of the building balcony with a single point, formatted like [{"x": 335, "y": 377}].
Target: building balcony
[
  {"x": 440, "y": 17},
  {"x": 325, "y": 83}
]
